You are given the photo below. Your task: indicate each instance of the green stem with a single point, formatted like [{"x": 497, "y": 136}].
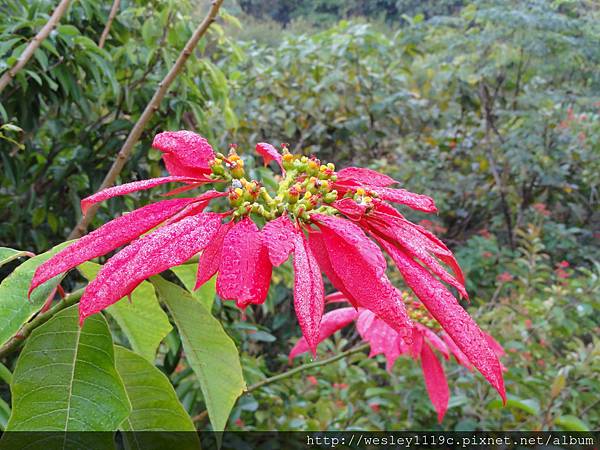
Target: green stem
[
  {"x": 290, "y": 176},
  {"x": 14, "y": 342},
  {"x": 305, "y": 367}
]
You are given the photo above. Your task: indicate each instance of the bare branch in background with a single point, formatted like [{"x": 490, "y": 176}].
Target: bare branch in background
[
  {"x": 111, "y": 17},
  {"x": 153, "y": 106}
]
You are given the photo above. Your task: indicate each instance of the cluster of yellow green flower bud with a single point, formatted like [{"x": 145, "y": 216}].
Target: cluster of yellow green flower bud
[
  {"x": 363, "y": 197},
  {"x": 417, "y": 312},
  {"x": 306, "y": 187},
  {"x": 230, "y": 166}
]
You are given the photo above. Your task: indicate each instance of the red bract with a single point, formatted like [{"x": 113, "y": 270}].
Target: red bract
[
  {"x": 270, "y": 153},
  {"x": 385, "y": 340},
  {"x": 331, "y": 222},
  {"x": 244, "y": 270}
]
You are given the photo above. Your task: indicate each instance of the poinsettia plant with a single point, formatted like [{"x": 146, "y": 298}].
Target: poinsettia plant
[{"x": 333, "y": 222}]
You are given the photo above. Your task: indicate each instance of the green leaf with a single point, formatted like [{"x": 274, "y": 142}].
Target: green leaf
[
  {"x": 65, "y": 378},
  {"x": 67, "y": 30},
  {"x": 205, "y": 293},
  {"x": 142, "y": 320},
  {"x": 231, "y": 120},
  {"x": 9, "y": 254},
  {"x": 209, "y": 350},
  {"x": 154, "y": 403},
  {"x": 571, "y": 423},
  {"x": 558, "y": 384},
  {"x": 15, "y": 308},
  {"x": 529, "y": 406},
  {"x": 4, "y": 414}
]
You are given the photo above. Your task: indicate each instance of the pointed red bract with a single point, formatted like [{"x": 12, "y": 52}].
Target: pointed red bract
[
  {"x": 153, "y": 253},
  {"x": 128, "y": 188},
  {"x": 440, "y": 250},
  {"x": 381, "y": 337},
  {"x": 434, "y": 340},
  {"x": 196, "y": 207},
  {"x": 457, "y": 352},
  {"x": 336, "y": 297},
  {"x": 330, "y": 323},
  {"x": 317, "y": 246},
  {"x": 308, "y": 291},
  {"x": 365, "y": 176},
  {"x": 360, "y": 267},
  {"x": 451, "y": 316},
  {"x": 381, "y": 206},
  {"x": 414, "y": 201},
  {"x": 210, "y": 259},
  {"x": 435, "y": 245},
  {"x": 277, "y": 236},
  {"x": 108, "y": 237},
  {"x": 245, "y": 269},
  {"x": 403, "y": 235},
  {"x": 185, "y": 153},
  {"x": 197, "y": 183},
  {"x": 350, "y": 208},
  {"x": 211, "y": 195},
  {"x": 270, "y": 153},
  {"x": 494, "y": 344},
  {"x": 414, "y": 348},
  {"x": 351, "y": 234},
  {"x": 435, "y": 381}
]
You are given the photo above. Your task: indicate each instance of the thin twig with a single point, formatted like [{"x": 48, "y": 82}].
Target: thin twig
[
  {"x": 293, "y": 372},
  {"x": 200, "y": 417},
  {"x": 487, "y": 107},
  {"x": 111, "y": 17},
  {"x": 14, "y": 342},
  {"x": 34, "y": 44},
  {"x": 138, "y": 128}
]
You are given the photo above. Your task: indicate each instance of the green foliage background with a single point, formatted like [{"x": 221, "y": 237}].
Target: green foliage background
[{"x": 492, "y": 108}]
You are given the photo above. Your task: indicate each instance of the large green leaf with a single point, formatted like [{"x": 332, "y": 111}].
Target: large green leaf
[
  {"x": 9, "y": 254},
  {"x": 209, "y": 350},
  {"x": 66, "y": 380},
  {"x": 155, "y": 406},
  {"x": 15, "y": 308},
  {"x": 571, "y": 423},
  {"x": 142, "y": 319},
  {"x": 187, "y": 274}
]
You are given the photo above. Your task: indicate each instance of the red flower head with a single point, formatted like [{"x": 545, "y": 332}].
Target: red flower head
[
  {"x": 426, "y": 337},
  {"x": 331, "y": 222}
]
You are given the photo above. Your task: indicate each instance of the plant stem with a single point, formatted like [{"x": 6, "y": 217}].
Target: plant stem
[
  {"x": 38, "y": 320},
  {"x": 34, "y": 44},
  {"x": 111, "y": 17},
  {"x": 304, "y": 367},
  {"x": 292, "y": 372},
  {"x": 151, "y": 108}
]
